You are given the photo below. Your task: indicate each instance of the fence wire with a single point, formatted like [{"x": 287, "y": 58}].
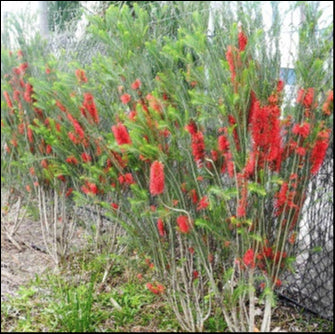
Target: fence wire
[{"x": 311, "y": 283}]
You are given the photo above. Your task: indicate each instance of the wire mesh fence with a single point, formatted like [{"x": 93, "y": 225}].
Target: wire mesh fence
[{"x": 311, "y": 283}]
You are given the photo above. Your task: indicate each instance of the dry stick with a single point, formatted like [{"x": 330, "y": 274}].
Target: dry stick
[
  {"x": 55, "y": 225},
  {"x": 42, "y": 215}
]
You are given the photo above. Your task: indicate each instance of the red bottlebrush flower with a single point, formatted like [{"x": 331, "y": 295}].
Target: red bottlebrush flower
[
  {"x": 47, "y": 70},
  {"x": 114, "y": 206},
  {"x": 157, "y": 178},
  {"x": 223, "y": 144},
  {"x": 191, "y": 250},
  {"x": 61, "y": 178},
  {"x": 282, "y": 195},
  {"x": 194, "y": 196},
  {"x": 154, "y": 103},
  {"x": 30, "y": 135},
  {"x": 69, "y": 192},
  {"x": 90, "y": 106},
  {"x": 19, "y": 54},
  {"x": 90, "y": 188},
  {"x": 125, "y": 98},
  {"x": 300, "y": 151},
  {"x": 132, "y": 115},
  {"x": 157, "y": 290},
  {"x": 8, "y": 100},
  {"x": 44, "y": 163},
  {"x": 23, "y": 67},
  {"x": 318, "y": 154},
  {"x": 328, "y": 105},
  {"x": 191, "y": 128},
  {"x": 73, "y": 138},
  {"x": 248, "y": 258},
  {"x": 203, "y": 203},
  {"x": 86, "y": 157},
  {"x": 20, "y": 128},
  {"x": 136, "y": 84},
  {"x": 198, "y": 147},
  {"x": 265, "y": 130},
  {"x": 302, "y": 130},
  {"x": 121, "y": 134},
  {"x": 242, "y": 41},
  {"x": 280, "y": 85},
  {"x": 60, "y": 106},
  {"x": 195, "y": 274},
  {"x": 230, "y": 59},
  {"x": 232, "y": 122},
  {"x": 72, "y": 160},
  {"x": 28, "y": 188},
  {"x": 305, "y": 97},
  {"x": 126, "y": 179},
  {"x": 48, "y": 149},
  {"x": 183, "y": 224},
  {"x": 279, "y": 255},
  {"x": 278, "y": 283},
  {"x": 28, "y": 93},
  {"x": 160, "y": 227},
  {"x": 77, "y": 127},
  {"x": 81, "y": 76},
  {"x": 16, "y": 95}
]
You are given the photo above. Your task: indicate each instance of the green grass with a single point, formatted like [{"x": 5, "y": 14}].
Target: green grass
[{"x": 74, "y": 300}]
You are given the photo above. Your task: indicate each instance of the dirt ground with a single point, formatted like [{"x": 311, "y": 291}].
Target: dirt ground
[{"x": 22, "y": 257}]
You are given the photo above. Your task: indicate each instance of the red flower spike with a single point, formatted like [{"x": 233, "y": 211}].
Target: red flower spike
[
  {"x": 305, "y": 97},
  {"x": 160, "y": 227},
  {"x": 125, "y": 98},
  {"x": 81, "y": 76},
  {"x": 86, "y": 157},
  {"x": 136, "y": 84},
  {"x": 203, "y": 203},
  {"x": 302, "y": 130},
  {"x": 121, "y": 134},
  {"x": 183, "y": 224},
  {"x": 318, "y": 154},
  {"x": 248, "y": 258},
  {"x": 242, "y": 41},
  {"x": 157, "y": 178}
]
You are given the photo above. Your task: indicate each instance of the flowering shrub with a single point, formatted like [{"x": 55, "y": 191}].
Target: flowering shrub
[{"x": 202, "y": 168}]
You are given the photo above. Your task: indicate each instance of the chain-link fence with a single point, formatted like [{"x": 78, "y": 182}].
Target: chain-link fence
[{"x": 311, "y": 284}]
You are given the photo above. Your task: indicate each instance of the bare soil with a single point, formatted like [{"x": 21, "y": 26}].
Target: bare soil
[{"x": 22, "y": 257}]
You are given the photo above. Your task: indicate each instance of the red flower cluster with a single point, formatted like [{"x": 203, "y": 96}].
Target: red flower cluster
[
  {"x": 81, "y": 76},
  {"x": 125, "y": 98},
  {"x": 157, "y": 178},
  {"x": 8, "y": 100},
  {"x": 319, "y": 151},
  {"x": 249, "y": 258},
  {"x": 90, "y": 107},
  {"x": 121, "y": 134},
  {"x": 302, "y": 130},
  {"x": 328, "y": 105},
  {"x": 265, "y": 130},
  {"x": 305, "y": 97},
  {"x": 160, "y": 227},
  {"x": 136, "y": 84},
  {"x": 242, "y": 41},
  {"x": 77, "y": 127},
  {"x": 157, "y": 289},
  {"x": 126, "y": 179},
  {"x": 86, "y": 157},
  {"x": 203, "y": 203},
  {"x": 90, "y": 188},
  {"x": 183, "y": 224},
  {"x": 198, "y": 146}
]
